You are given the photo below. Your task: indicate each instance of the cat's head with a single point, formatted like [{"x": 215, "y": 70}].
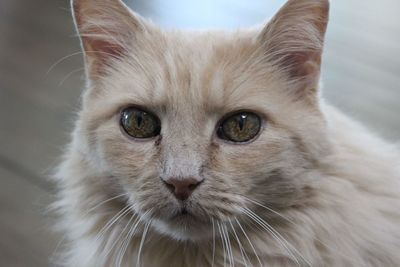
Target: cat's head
[{"x": 198, "y": 126}]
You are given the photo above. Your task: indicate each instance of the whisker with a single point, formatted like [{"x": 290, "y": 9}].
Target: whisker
[
  {"x": 242, "y": 251},
  {"x": 69, "y": 75},
  {"x": 292, "y": 222},
  {"x": 213, "y": 245},
  {"x": 276, "y": 235},
  {"x": 121, "y": 214},
  {"x": 228, "y": 242},
  {"x": 75, "y": 54},
  {"x": 146, "y": 229},
  {"x": 269, "y": 209},
  {"x": 53, "y": 255},
  {"x": 290, "y": 245},
  {"x": 61, "y": 60},
  {"x": 248, "y": 240},
  {"x": 104, "y": 202},
  {"x": 223, "y": 242},
  {"x": 124, "y": 244},
  {"x": 128, "y": 238},
  {"x": 113, "y": 220},
  {"x": 119, "y": 237},
  {"x": 263, "y": 226}
]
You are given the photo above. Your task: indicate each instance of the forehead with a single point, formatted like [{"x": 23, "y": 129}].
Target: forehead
[{"x": 186, "y": 73}]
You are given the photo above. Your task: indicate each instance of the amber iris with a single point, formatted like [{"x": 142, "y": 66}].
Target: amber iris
[
  {"x": 139, "y": 123},
  {"x": 240, "y": 127}
]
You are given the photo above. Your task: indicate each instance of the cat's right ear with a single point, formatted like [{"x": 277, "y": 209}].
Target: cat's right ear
[
  {"x": 108, "y": 30},
  {"x": 293, "y": 40}
]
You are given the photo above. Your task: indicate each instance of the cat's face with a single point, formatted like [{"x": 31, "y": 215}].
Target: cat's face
[{"x": 196, "y": 127}]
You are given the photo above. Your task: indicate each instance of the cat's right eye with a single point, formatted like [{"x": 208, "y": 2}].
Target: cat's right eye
[{"x": 139, "y": 123}]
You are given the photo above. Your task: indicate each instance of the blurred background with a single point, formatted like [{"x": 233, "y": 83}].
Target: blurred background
[{"x": 41, "y": 78}]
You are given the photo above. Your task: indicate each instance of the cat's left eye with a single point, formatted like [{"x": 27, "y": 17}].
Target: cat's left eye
[
  {"x": 139, "y": 123},
  {"x": 240, "y": 127}
]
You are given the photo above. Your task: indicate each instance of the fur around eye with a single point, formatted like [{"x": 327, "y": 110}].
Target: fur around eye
[
  {"x": 139, "y": 123},
  {"x": 240, "y": 127}
]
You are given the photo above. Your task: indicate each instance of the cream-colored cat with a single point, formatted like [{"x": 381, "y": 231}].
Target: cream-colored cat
[{"x": 213, "y": 149}]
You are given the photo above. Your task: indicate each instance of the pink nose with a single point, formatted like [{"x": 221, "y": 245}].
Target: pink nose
[{"x": 182, "y": 188}]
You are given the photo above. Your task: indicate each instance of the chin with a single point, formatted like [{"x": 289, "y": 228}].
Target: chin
[{"x": 185, "y": 227}]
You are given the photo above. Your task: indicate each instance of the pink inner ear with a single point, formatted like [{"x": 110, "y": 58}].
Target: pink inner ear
[
  {"x": 302, "y": 64},
  {"x": 101, "y": 44},
  {"x": 294, "y": 38},
  {"x": 101, "y": 52}
]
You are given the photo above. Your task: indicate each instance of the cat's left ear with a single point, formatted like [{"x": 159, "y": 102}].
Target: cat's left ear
[
  {"x": 108, "y": 30},
  {"x": 293, "y": 40}
]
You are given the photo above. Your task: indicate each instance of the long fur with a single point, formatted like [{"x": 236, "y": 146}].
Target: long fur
[{"x": 314, "y": 189}]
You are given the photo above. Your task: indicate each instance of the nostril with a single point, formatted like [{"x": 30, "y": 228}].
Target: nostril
[
  {"x": 171, "y": 187},
  {"x": 194, "y": 185},
  {"x": 182, "y": 188}
]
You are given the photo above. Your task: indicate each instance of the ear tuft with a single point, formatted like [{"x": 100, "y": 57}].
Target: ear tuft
[{"x": 294, "y": 39}]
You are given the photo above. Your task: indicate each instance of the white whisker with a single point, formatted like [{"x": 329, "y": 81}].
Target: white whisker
[
  {"x": 119, "y": 236},
  {"x": 292, "y": 222},
  {"x": 105, "y": 201},
  {"x": 53, "y": 255},
  {"x": 228, "y": 242},
  {"x": 248, "y": 240},
  {"x": 75, "y": 54},
  {"x": 61, "y": 60},
  {"x": 126, "y": 241},
  {"x": 269, "y": 209},
  {"x": 146, "y": 229},
  {"x": 242, "y": 251},
  {"x": 223, "y": 242},
  {"x": 69, "y": 75},
  {"x": 213, "y": 245},
  {"x": 277, "y": 236},
  {"x": 113, "y": 220}
]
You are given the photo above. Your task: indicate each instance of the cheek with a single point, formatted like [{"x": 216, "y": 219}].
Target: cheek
[
  {"x": 253, "y": 159},
  {"x": 136, "y": 167},
  {"x": 125, "y": 157},
  {"x": 265, "y": 166}
]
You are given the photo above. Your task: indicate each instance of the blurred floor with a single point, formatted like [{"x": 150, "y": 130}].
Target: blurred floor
[{"x": 38, "y": 99}]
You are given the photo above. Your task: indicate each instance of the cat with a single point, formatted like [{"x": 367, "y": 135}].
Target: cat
[{"x": 214, "y": 148}]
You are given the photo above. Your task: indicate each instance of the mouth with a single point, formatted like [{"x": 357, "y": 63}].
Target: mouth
[
  {"x": 184, "y": 225},
  {"x": 183, "y": 212},
  {"x": 185, "y": 218}
]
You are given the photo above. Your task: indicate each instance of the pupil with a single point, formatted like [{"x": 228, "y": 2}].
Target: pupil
[
  {"x": 242, "y": 119},
  {"x": 139, "y": 119}
]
